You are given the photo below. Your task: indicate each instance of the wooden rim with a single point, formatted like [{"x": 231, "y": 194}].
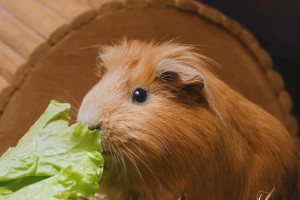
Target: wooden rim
[{"x": 19, "y": 57}]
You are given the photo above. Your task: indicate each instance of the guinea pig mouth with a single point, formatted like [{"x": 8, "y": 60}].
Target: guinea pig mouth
[{"x": 107, "y": 153}]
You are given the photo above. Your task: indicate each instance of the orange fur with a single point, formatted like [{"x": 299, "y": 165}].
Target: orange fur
[{"x": 194, "y": 135}]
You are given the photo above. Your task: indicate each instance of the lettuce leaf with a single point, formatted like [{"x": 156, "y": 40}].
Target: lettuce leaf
[{"x": 53, "y": 160}]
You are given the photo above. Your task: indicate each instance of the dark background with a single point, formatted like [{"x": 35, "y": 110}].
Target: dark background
[{"x": 276, "y": 24}]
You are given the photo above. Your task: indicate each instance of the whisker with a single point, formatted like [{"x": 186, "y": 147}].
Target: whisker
[
  {"x": 43, "y": 97},
  {"x": 131, "y": 159},
  {"x": 62, "y": 89},
  {"x": 84, "y": 47},
  {"x": 146, "y": 165},
  {"x": 122, "y": 160},
  {"x": 115, "y": 158},
  {"x": 75, "y": 108}
]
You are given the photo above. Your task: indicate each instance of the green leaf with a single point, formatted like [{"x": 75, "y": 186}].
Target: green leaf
[{"x": 53, "y": 160}]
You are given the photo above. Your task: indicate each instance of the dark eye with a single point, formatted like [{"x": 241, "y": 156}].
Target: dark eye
[{"x": 139, "y": 95}]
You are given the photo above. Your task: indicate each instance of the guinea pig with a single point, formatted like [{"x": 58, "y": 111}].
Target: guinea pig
[{"x": 173, "y": 130}]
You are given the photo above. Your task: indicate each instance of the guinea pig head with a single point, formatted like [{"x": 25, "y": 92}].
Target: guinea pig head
[{"x": 152, "y": 106}]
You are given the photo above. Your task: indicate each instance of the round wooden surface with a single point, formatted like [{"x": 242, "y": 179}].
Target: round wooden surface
[{"x": 66, "y": 71}]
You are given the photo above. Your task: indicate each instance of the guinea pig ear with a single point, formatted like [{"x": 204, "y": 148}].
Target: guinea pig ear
[
  {"x": 186, "y": 84},
  {"x": 100, "y": 67},
  {"x": 185, "y": 78}
]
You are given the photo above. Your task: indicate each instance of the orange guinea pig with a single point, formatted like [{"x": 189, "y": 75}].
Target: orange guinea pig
[{"x": 173, "y": 130}]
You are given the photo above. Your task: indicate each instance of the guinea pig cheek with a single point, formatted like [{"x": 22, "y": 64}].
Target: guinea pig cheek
[
  {"x": 117, "y": 140},
  {"x": 115, "y": 133}
]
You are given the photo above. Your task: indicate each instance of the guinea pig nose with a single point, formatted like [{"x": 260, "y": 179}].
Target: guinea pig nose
[
  {"x": 94, "y": 127},
  {"x": 97, "y": 126}
]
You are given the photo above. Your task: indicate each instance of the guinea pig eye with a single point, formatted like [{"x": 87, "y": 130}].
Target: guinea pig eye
[{"x": 139, "y": 95}]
